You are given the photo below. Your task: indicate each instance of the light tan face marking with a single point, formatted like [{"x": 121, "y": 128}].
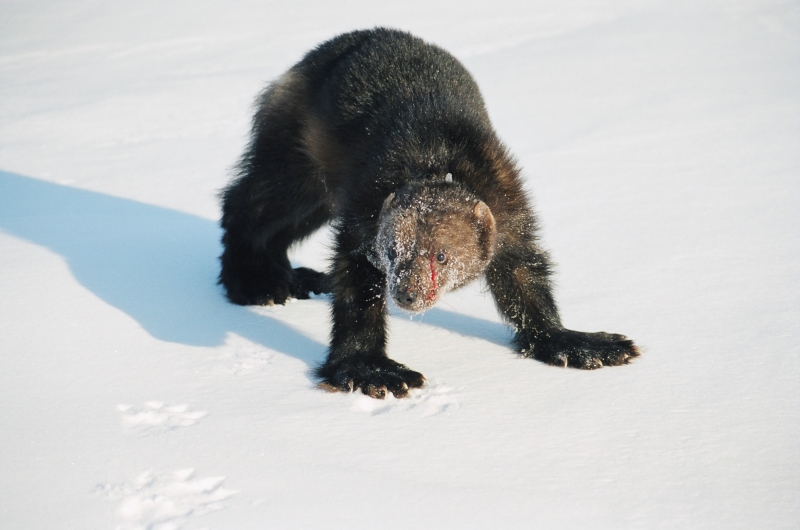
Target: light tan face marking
[{"x": 411, "y": 237}]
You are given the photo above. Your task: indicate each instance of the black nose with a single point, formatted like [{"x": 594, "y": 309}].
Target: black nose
[{"x": 405, "y": 296}]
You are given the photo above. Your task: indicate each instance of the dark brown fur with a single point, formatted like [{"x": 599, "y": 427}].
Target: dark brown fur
[{"x": 388, "y": 137}]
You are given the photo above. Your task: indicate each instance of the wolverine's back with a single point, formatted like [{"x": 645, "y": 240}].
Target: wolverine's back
[{"x": 364, "y": 78}]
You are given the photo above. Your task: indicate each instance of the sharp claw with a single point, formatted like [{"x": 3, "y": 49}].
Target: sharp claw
[
  {"x": 401, "y": 392},
  {"x": 375, "y": 392}
]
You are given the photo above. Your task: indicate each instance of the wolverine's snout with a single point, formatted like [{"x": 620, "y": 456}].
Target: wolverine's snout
[{"x": 405, "y": 297}]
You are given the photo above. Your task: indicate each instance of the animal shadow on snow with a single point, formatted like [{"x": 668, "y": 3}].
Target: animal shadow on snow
[{"x": 159, "y": 266}]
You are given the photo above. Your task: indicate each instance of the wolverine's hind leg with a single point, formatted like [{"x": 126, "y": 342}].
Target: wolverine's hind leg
[
  {"x": 278, "y": 199},
  {"x": 257, "y": 271}
]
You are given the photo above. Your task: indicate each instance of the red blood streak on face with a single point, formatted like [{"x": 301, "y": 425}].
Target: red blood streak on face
[{"x": 434, "y": 285}]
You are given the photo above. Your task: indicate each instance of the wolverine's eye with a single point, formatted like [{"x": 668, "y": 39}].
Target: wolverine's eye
[
  {"x": 392, "y": 254},
  {"x": 441, "y": 257}
]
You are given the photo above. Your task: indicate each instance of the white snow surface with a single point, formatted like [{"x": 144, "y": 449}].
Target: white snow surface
[{"x": 660, "y": 143}]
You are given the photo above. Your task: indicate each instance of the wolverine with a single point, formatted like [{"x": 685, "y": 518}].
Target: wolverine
[{"x": 387, "y": 138}]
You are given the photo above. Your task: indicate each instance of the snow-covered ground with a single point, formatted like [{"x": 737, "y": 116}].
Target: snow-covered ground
[{"x": 660, "y": 142}]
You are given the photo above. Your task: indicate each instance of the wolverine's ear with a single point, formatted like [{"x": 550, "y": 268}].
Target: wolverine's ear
[{"x": 487, "y": 229}]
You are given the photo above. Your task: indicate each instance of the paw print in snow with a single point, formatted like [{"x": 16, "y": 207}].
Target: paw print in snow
[
  {"x": 430, "y": 400},
  {"x": 165, "y": 502},
  {"x": 155, "y": 416}
]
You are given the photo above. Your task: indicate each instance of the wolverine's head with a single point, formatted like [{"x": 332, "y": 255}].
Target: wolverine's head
[{"x": 432, "y": 239}]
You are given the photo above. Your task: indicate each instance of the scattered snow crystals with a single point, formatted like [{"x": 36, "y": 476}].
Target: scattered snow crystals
[{"x": 165, "y": 502}]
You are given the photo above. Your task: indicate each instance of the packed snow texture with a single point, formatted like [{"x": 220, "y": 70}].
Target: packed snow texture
[{"x": 659, "y": 141}]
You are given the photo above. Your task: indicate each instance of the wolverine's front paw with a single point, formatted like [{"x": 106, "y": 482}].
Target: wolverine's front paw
[
  {"x": 581, "y": 350},
  {"x": 375, "y": 377}
]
